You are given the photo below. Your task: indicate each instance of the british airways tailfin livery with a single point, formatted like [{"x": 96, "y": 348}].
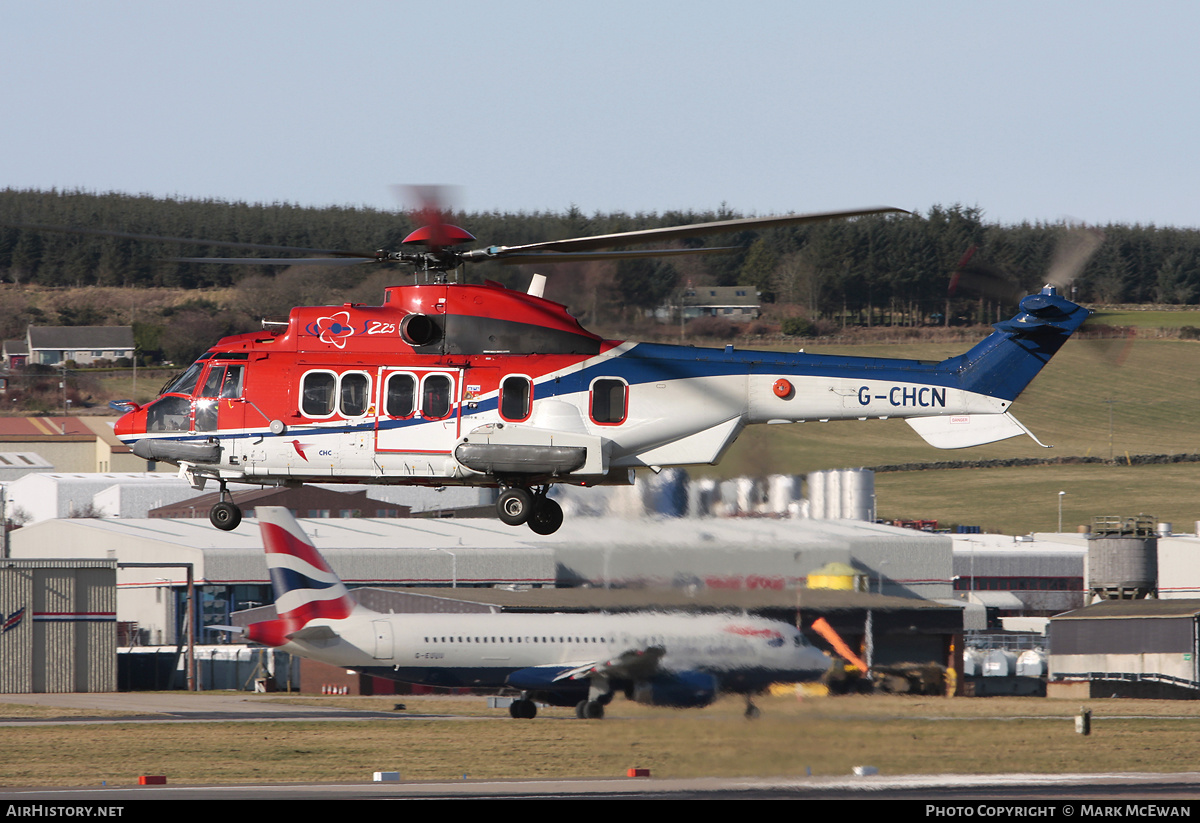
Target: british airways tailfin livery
[{"x": 583, "y": 660}]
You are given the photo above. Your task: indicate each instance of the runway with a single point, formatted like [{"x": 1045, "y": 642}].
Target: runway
[{"x": 186, "y": 707}]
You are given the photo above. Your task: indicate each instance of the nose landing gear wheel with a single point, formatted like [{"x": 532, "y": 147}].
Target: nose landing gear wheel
[
  {"x": 225, "y": 516},
  {"x": 515, "y": 506}
]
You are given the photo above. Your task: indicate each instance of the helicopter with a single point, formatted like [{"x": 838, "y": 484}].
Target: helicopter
[{"x": 450, "y": 383}]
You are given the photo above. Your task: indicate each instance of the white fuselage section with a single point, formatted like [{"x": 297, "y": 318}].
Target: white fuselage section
[{"x": 484, "y": 649}]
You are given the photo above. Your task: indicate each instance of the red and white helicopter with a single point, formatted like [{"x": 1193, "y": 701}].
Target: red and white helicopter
[{"x": 447, "y": 383}]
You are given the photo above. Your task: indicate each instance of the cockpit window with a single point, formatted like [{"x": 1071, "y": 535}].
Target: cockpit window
[
  {"x": 212, "y": 383},
  {"x": 185, "y": 382},
  {"x": 232, "y": 387},
  {"x": 168, "y": 414}
]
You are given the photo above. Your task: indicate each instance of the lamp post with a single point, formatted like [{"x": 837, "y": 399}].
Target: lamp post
[
  {"x": 1060, "y": 497},
  {"x": 453, "y": 565}
]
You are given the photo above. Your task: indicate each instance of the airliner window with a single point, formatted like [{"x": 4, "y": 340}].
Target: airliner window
[
  {"x": 355, "y": 389},
  {"x": 317, "y": 394},
  {"x": 514, "y": 398},
  {"x": 401, "y": 395},
  {"x": 608, "y": 401},
  {"x": 435, "y": 397}
]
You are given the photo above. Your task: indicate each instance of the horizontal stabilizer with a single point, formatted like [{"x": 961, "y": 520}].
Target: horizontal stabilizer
[
  {"x": 959, "y": 431},
  {"x": 313, "y": 634},
  {"x": 230, "y": 629}
]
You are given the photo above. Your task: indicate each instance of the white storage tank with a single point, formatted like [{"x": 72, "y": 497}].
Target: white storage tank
[
  {"x": 1031, "y": 663},
  {"x": 999, "y": 663}
]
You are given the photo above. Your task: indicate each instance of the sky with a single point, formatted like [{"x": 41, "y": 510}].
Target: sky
[{"x": 1030, "y": 111}]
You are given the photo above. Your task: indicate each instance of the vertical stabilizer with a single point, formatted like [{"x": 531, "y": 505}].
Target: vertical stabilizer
[
  {"x": 304, "y": 584},
  {"x": 1005, "y": 362}
]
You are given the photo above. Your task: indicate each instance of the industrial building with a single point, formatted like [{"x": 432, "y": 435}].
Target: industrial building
[
  {"x": 1128, "y": 648},
  {"x": 59, "y": 631}
]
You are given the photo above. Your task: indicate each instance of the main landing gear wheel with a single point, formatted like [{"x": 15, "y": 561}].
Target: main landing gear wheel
[
  {"x": 547, "y": 516},
  {"x": 515, "y": 506},
  {"x": 225, "y": 516},
  {"x": 589, "y": 710},
  {"x": 522, "y": 709}
]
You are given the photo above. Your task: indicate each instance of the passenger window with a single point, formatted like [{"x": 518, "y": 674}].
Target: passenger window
[
  {"x": 401, "y": 395},
  {"x": 354, "y": 394},
  {"x": 609, "y": 401},
  {"x": 435, "y": 397},
  {"x": 514, "y": 398},
  {"x": 317, "y": 394}
]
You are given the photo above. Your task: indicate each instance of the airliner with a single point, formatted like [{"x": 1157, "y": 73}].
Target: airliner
[{"x": 663, "y": 659}]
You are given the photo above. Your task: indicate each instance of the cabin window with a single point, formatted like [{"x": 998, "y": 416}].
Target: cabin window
[
  {"x": 401, "y": 399},
  {"x": 317, "y": 393},
  {"x": 354, "y": 393},
  {"x": 435, "y": 396},
  {"x": 515, "y": 393},
  {"x": 609, "y": 401}
]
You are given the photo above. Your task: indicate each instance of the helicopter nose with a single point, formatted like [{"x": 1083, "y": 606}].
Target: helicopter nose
[{"x": 127, "y": 424}]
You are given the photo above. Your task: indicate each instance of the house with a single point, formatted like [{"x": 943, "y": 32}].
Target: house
[
  {"x": 735, "y": 303},
  {"x": 54, "y": 345},
  {"x": 16, "y": 353}
]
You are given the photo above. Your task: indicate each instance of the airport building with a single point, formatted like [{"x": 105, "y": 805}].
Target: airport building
[
  {"x": 730, "y": 555},
  {"x": 59, "y": 625}
]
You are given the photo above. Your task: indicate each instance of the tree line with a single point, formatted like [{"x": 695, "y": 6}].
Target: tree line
[{"x": 893, "y": 266}]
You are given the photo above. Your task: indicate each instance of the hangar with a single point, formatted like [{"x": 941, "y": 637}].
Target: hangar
[
  {"x": 1129, "y": 648},
  {"x": 59, "y": 625}
]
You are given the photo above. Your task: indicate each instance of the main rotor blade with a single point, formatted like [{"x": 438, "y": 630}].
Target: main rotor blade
[
  {"x": 626, "y": 238},
  {"x": 193, "y": 241},
  {"x": 277, "y": 261},
  {"x": 582, "y": 256}
]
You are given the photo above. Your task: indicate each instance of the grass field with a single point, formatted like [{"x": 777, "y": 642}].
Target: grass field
[
  {"x": 827, "y": 735},
  {"x": 1148, "y": 319}
]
